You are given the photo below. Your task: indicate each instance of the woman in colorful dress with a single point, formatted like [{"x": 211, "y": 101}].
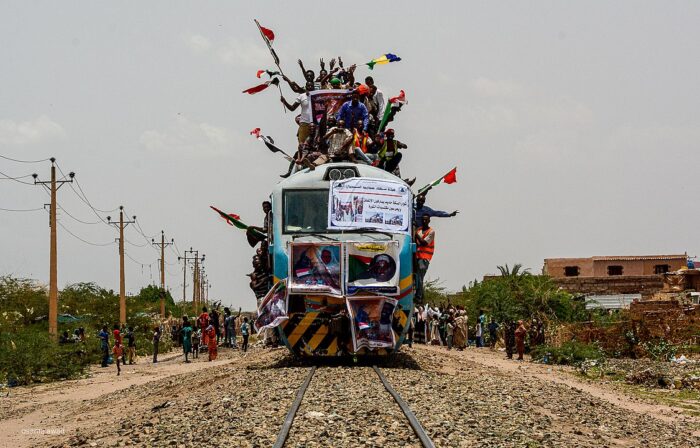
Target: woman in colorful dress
[{"x": 211, "y": 340}]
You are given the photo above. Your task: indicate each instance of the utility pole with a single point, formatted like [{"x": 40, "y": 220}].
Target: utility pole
[
  {"x": 184, "y": 276},
  {"x": 122, "y": 284},
  {"x": 53, "y": 187},
  {"x": 162, "y": 245}
]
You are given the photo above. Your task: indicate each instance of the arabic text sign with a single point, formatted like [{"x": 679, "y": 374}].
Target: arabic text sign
[{"x": 359, "y": 203}]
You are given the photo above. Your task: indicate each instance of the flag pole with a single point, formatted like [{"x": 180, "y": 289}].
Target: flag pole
[{"x": 269, "y": 47}]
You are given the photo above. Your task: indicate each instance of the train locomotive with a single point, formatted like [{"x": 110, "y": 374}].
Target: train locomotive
[{"x": 348, "y": 290}]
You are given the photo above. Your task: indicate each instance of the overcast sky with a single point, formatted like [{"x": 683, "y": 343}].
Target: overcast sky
[{"x": 574, "y": 126}]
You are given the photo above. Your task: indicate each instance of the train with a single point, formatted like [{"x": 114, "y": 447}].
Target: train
[{"x": 350, "y": 291}]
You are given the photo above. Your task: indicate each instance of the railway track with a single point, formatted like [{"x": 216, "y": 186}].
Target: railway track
[{"x": 410, "y": 416}]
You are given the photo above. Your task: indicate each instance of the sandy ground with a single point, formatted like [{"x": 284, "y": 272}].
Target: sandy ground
[{"x": 173, "y": 403}]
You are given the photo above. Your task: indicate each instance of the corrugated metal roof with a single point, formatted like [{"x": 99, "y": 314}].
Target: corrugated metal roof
[
  {"x": 639, "y": 257},
  {"x": 611, "y": 302}
]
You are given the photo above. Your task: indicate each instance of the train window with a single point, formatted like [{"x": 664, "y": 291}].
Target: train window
[{"x": 305, "y": 211}]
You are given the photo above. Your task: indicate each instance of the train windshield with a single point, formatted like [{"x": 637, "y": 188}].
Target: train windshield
[{"x": 305, "y": 211}]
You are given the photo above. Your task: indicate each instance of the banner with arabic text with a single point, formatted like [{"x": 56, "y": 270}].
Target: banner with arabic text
[
  {"x": 365, "y": 203},
  {"x": 325, "y": 103}
]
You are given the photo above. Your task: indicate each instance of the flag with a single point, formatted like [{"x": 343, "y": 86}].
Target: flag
[
  {"x": 449, "y": 178},
  {"x": 395, "y": 105},
  {"x": 231, "y": 218},
  {"x": 363, "y": 325},
  {"x": 383, "y": 59},
  {"x": 401, "y": 98},
  {"x": 269, "y": 142},
  {"x": 269, "y": 73},
  {"x": 261, "y": 87},
  {"x": 269, "y": 37}
]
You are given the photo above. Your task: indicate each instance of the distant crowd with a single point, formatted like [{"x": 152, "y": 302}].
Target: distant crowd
[{"x": 449, "y": 326}]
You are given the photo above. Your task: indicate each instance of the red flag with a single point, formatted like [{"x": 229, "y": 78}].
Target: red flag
[
  {"x": 451, "y": 177},
  {"x": 261, "y": 87},
  {"x": 267, "y": 33},
  {"x": 399, "y": 99},
  {"x": 260, "y": 72},
  {"x": 255, "y": 132}
]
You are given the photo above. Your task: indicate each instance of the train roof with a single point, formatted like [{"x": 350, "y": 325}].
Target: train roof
[{"x": 319, "y": 178}]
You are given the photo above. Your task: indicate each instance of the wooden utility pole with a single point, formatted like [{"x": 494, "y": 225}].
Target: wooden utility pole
[
  {"x": 195, "y": 286},
  {"x": 53, "y": 186},
  {"x": 162, "y": 245},
  {"x": 122, "y": 282}
]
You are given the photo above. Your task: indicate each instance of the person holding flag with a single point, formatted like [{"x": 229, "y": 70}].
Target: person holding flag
[
  {"x": 305, "y": 118},
  {"x": 423, "y": 210}
]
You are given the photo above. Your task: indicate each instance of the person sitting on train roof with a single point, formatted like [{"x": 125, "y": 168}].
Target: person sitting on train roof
[
  {"x": 305, "y": 118},
  {"x": 339, "y": 140},
  {"x": 361, "y": 142},
  {"x": 389, "y": 155},
  {"x": 423, "y": 210},
  {"x": 353, "y": 110}
]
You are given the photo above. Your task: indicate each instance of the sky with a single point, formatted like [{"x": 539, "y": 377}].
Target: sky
[{"x": 575, "y": 127}]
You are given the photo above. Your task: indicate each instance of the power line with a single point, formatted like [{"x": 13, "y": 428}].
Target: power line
[
  {"x": 16, "y": 179},
  {"x": 79, "y": 238},
  {"x": 24, "y": 161},
  {"x": 21, "y": 209},
  {"x": 136, "y": 261}
]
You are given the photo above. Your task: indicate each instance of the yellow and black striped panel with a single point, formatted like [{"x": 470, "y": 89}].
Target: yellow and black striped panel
[{"x": 309, "y": 334}]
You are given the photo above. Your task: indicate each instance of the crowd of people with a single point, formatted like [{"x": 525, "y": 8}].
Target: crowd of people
[
  {"x": 448, "y": 326},
  {"x": 355, "y": 132}
]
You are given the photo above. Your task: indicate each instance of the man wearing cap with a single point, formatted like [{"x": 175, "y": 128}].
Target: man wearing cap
[
  {"x": 389, "y": 155},
  {"x": 354, "y": 110}
]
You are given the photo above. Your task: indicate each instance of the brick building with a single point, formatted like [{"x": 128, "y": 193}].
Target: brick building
[
  {"x": 614, "y": 279},
  {"x": 613, "y": 266}
]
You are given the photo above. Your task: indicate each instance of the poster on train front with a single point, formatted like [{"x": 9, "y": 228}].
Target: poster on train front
[
  {"x": 372, "y": 266},
  {"x": 372, "y": 319},
  {"x": 365, "y": 203},
  {"x": 273, "y": 307},
  {"x": 315, "y": 268}
]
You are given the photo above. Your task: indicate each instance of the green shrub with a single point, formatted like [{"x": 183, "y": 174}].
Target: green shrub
[
  {"x": 30, "y": 356},
  {"x": 570, "y": 353}
]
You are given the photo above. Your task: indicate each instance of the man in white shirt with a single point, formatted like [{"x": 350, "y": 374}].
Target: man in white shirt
[
  {"x": 377, "y": 104},
  {"x": 305, "y": 118}
]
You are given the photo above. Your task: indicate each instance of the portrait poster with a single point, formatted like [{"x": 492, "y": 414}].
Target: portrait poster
[
  {"x": 361, "y": 203},
  {"x": 372, "y": 266},
  {"x": 315, "y": 267},
  {"x": 325, "y": 103},
  {"x": 273, "y": 308},
  {"x": 371, "y": 319}
]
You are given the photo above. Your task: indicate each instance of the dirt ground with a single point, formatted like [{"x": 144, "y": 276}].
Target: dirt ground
[{"x": 461, "y": 398}]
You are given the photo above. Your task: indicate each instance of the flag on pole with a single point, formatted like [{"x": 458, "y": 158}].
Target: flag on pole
[
  {"x": 449, "y": 178},
  {"x": 383, "y": 59},
  {"x": 269, "y": 142},
  {"x": 234, "y": 220},
  {"x": 261, "y": 87},
  {"x": 269, "y": 37},
  {"x": 395, "y": 105},
  {"x": 269, "y": 73}
]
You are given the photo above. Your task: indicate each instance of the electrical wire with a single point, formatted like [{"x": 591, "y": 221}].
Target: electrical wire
[
  {"x": 16, "y": 179},
  {"x": 81, "y": 239},
  {"x": 83, "y": 197},
  {"x": 135, "y": 261},
  {"x": 21, "y": 210},
  {"x": 24, "y": 161}
]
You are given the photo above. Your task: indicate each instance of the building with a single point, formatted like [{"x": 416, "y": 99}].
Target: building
[
  {"x": 613, "y": 281},
  {"x": 613, "y": 266}
]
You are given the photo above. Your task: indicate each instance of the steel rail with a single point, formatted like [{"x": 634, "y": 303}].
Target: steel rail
[
  {"x": 412, "y": 420},
  {"x": 286, "y": 426}
]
